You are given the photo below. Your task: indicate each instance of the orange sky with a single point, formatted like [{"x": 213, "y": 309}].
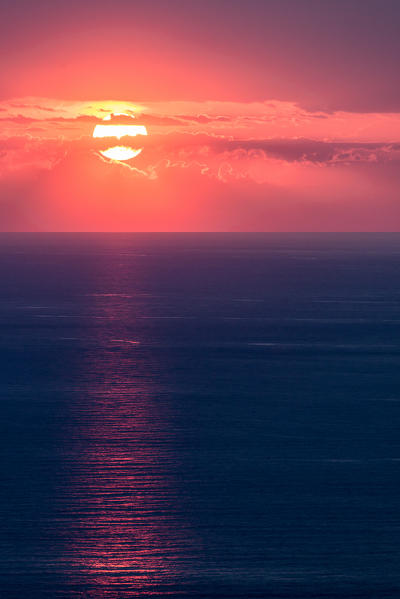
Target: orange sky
[{"x": 257, "y": 119}]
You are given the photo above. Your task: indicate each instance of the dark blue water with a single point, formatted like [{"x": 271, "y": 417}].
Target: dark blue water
[{"x": 200, "y": 416}]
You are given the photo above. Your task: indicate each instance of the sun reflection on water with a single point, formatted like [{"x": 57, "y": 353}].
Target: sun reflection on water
[{"x": 125, "y": 531}]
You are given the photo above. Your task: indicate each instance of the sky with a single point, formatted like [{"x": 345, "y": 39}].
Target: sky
[{"x": 264, "y": 115}]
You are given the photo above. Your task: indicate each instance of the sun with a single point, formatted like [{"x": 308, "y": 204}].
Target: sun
[{"x": 119, "y": 125}]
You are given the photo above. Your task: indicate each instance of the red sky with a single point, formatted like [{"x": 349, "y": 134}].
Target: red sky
[{"x": 261, "y": 116}]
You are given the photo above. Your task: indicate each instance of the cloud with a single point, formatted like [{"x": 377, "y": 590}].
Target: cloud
[
  {"x": 30, "y": 106},
  {"x": 20, "y": 119},
  {"x": 212, "y": 155},
  {"x": 81, "y": 192},
  {"x": 204, "y": 118},
  {"x": 204, "y": 166},
  {"x": 239, "y": 120}
]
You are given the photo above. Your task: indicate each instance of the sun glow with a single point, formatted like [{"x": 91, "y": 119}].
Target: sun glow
[
  {"x": 119, "y": 130},
  {"x": 120, "y": 153}
]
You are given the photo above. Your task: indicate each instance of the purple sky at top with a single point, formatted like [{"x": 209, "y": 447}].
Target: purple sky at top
[{"x": 327, "y": 55}]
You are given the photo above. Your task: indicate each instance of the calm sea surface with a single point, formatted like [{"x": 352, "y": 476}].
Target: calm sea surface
[{"x": 205, "y": 416}]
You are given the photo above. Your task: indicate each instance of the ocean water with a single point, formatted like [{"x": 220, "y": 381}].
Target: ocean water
[{"x": 200, "y": 415}]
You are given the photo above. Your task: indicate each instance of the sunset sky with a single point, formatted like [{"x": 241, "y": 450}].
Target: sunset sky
[{"x": 262, "y": 115}]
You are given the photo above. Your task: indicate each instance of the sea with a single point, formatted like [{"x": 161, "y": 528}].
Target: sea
[{"x": 206, "y": 416}]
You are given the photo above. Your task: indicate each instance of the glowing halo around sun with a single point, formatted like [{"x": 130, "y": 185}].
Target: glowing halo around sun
[{"x": 119, "y": 127}]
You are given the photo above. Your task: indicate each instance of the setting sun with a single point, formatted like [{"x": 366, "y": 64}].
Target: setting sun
[
  {"x": 120, "y": 153},
  {"x": 118, "y": 126}
]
